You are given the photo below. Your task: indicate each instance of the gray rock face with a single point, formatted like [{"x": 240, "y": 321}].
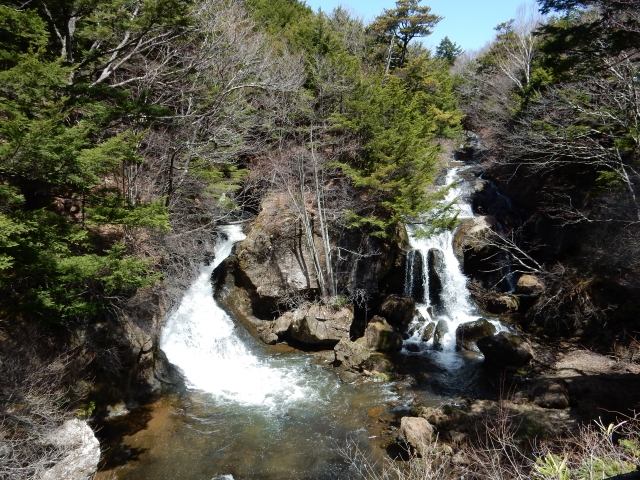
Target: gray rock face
[
  {"x": 469, "y": 333},
  {"x": 505, "y": 350},
  {"x": 81, "y": 461},
  {"x": 316, "y": 325},
  {"x": 417, "y": 432},
  {"x": 435, "y": 259},
  {"x": 442, "y": 328},
  {"x": 351, "y": 354},
  {"x": 398, "y": 310},
  {"x": 381, "y": 336}
]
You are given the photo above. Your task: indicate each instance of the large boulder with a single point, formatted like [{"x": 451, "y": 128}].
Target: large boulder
[
  {"x": 505, "y": 350},
  {"x": 417, "y": 432},
  {"x": 442, "y": 328},
  {"x": 530, "y": 285},
  {"x": 82, "y": 449},
  {"x": 398, "y": 310},
  {"x": 428, "y": 331},
  {"x": 467, "y": 334},
  {"x": 381, "y": 336},
  {"x": 502, "y": 303},
  {"x": 351, "y": 354},
  {"x": 435, "y": 259},
  {"x": 317, "y": 324}
]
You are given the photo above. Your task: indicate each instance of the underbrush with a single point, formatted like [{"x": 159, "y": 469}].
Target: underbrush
[{"x": 496, "y": 451}]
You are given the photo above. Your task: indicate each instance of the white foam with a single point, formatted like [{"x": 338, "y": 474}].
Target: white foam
[{"x": 200, "y": 338}]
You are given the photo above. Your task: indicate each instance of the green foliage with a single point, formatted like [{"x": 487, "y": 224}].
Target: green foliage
[
  {"x": 552, "y": 467},
  {"x": 448, "y": 50}
]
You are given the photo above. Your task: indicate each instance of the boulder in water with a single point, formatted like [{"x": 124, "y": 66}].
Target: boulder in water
[
  {"x": 351, "y": 354},
  {"x": 417, "y": 432},
  {"x": 435, "y": 259},
  {"x": 467, "y": 334},
  {"x": 381, "y": 336},
  {"x": 505, "y": 350},
  {"x": 398, "y": 310},
  {"x": 442, "y": 328},
  {"x": 428, "y": 331},
  {"x": 321, "y": 325}
]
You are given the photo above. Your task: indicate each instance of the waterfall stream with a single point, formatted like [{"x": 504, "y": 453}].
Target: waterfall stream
[{"x": 454, "y": 306}]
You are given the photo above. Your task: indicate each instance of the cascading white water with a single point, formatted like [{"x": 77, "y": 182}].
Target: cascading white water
[
  {"x": 200, "y": 339},
  {"x": 456, "y": 306}
]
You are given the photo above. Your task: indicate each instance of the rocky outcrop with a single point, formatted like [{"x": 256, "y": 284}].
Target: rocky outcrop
[
  {"x": 316, "y": 324},
  {"x": 417, "y": 432},
  {"x": 505, "y": 350},
  {"x": 398, "y": 310},
  {"x": 435, "y": 260},
  {"x": 351, "y": 354},
  {"x": 467, "y": 334},
  {"x": 381, "y": 336},
  {"x": 80, "y": 462}
]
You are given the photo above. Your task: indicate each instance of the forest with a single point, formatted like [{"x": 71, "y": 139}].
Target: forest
[{"x": 131, "y": 130}]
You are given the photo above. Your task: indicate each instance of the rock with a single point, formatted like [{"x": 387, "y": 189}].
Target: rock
[
  {"x": 442, "y": 328},
  {"x": 530, "y": 285},
  {"x": 503, "y": 303},
  {"x": 398, "y": 310},
  {"x": 381, "y": 336},
  {"x": 378, "y": 363},
  {"x": 283, "y": 323},
  {"x": 467, "y": 334},
  {"x": 351, "y": 354},
  {"x": 435, "y": 259},
  {"x": 471, "y": 235},
  {"x": 428, "y": 331},
  {"x": 321, "y": 325},
  {"x": 551, "y": 394},
  {"x": 413, "y": 281},
  {"x": 505, "y": 350},
  {"x": 268, "y": 337},
  {"x": 117, "y": 410},
  {"x": 417, "y": 432},
  {"x": 83, "y": 452}
]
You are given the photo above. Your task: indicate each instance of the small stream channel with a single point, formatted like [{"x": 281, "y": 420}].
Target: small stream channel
[{"x": 260, "y": 412}]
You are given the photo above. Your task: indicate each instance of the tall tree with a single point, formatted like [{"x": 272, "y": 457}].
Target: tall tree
[
  {"x": 448, "y": 50},
  {"x": 407, "y": 21}
]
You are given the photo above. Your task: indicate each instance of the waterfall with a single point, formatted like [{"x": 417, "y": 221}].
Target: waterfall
[
  {"x": 200, "y": 339},
  {"x": 455, "y": 304}
]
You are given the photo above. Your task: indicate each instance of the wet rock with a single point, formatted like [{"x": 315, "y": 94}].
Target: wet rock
[
  {"x": 503, "y": 303},
  {"x": 428, "y": 331},
  {"x": 83, "y": 452},
  {"x": 417, "y": 433},
  {"x": 442, "y": 328},
  {"x": 351, "y": 354},
  {"x": 321, "y": 325},
  {"x": 505, "y": 350},
  {"x": 398, "y": 310},
  {"x": 551, "y": 394},
  {"x": 530, "y": 285},
  {"x": 414, "y": 285},
  {"x": 435, "y": 259},
  {"x": 467, "y": 334},
  {"x": 381, "y": 336},
  {"x": 378, "y": 363}
]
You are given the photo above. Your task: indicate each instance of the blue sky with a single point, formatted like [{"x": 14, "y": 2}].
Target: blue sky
[{"x": 469, "y": 23}]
